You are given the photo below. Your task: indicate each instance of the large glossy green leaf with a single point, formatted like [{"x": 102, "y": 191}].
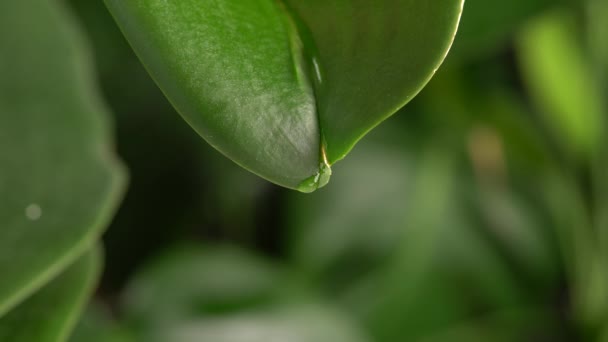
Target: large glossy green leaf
[
  {"x": 59, "y": 181},
  {"x": 286, "y": 89},
  {"x": 372, "y": 57},
  {"x": 51, "y": 313},
  {"x": 225, "y": 294}
]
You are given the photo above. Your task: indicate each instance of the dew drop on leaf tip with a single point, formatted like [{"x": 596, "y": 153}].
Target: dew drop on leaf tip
[{"x": 319, "y": 180}]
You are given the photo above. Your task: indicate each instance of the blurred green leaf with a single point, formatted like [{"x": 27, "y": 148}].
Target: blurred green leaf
[
  {"x": 96, "y": 325},
  {"x": 487, "y": 25},
  {"x": 586, "y": 266},
  {"x": 505, "y": 326},
  {"x": 294, "y": 323},
  {"x": 51, "y": 313},
  {"x": 348, "y": 229},
  {"x": 477, "y": 99},
  {"x": 284, "y": 98},
  {"x": 400, "y": 253},
  {"x": 558, "y": 74},
  {"x": 519, "y": 233},
  {"x": 597, "y": 30},
  {"x": 194, "y": 281},
  {"x": 444, "y": 270},
  {"x": 59, "y": 182}
]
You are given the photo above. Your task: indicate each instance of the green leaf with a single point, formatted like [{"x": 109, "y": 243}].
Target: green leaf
[
  {"x": 285, "y": 90},
  {"x": 193, "y": 280},
  {"x": 585, "y": 263},
  {"x": 51, "y": 313},
  {"x": 96, "y": 325},
  {"x": 225, "y": 294},
  {"x": 597, "y": 32},
  {"x": 293, "y": 323},
  {"x": 558, "y": 74},
  {"x": 59, "y": 182}
]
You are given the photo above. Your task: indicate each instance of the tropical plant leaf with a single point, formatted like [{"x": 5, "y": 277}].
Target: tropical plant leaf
[
  {"x": 59, "y": 182},
  {"x": 51, "y": 313},
  {"x": 294, "y": 323},
  {"x": 286, "y": 89},
  {"x": 558, "y": 74},
  {"x": 190, "y": 281}
]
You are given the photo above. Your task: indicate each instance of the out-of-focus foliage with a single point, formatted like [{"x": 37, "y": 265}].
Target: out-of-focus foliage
[
  {"x": 199, "y": 281},
  {"x": 477, "y": 213},
  {"x": 59, "y": 180},
  {"x": 50, "y": 314},
  {"x": 473, "y": 215},
  {"x": 560, "y": 79}
]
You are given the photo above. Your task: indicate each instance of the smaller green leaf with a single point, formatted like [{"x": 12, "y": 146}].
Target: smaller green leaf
[
  {"x": 558, "y": 74},
  {"x": 198, "y": 280},
  {"x": 293, "y": 323},
  {"x": 51, "y": 313}
]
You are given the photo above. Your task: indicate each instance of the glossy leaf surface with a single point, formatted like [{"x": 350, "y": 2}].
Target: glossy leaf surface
[
  {"x": 51, "y": 313},
  {"x": 372, "y": 57},
  {"x": 286, "y": 89},
  {"x": 59, "y": 182}
]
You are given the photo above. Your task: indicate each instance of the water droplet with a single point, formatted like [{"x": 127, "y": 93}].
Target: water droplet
[
  {"x": 33, "y": 212},
  {"x": 318, "y": 180}
]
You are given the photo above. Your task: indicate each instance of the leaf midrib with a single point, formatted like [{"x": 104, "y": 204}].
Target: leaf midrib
[{"x": 307, "y": 65}]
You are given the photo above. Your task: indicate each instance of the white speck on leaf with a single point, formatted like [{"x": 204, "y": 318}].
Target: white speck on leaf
[{"x": 33, "y": 212}]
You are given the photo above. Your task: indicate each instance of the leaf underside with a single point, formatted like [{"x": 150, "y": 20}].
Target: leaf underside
[{"x": 286, "y": 89}]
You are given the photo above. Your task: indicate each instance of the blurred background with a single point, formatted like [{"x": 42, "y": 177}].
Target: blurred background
[{"x": 477, "y": 213}]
